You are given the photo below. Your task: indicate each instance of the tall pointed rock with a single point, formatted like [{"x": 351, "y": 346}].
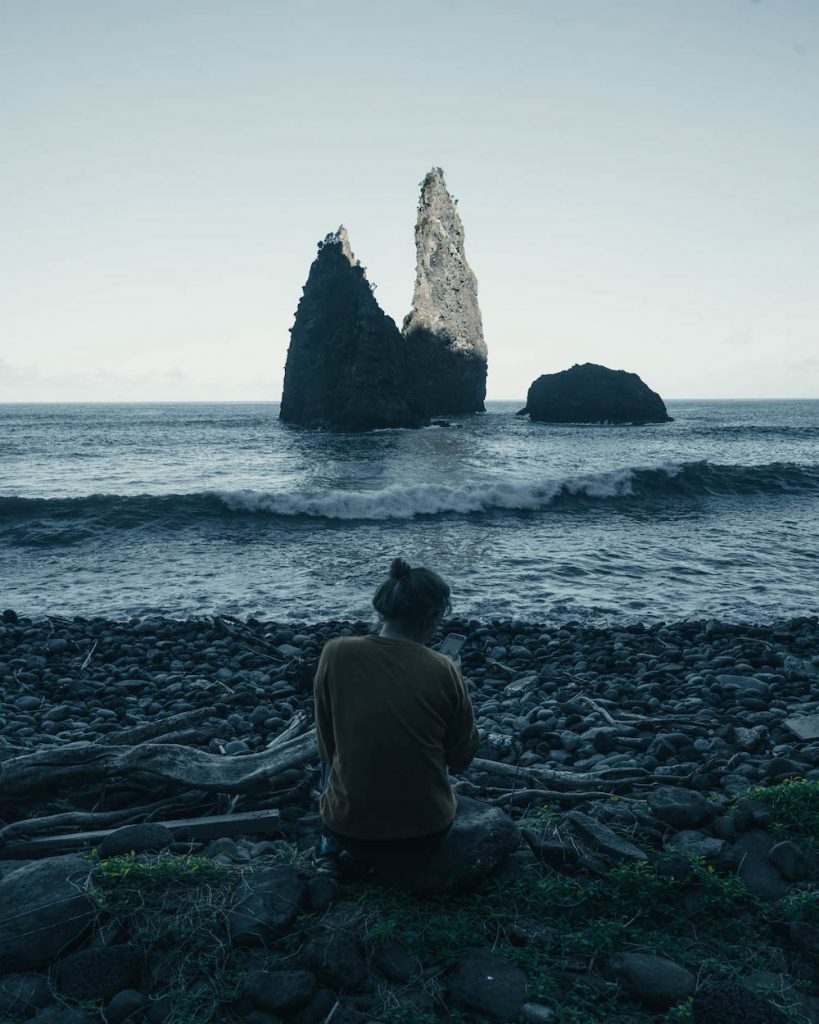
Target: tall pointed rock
[
  {"x": 346, "y": 364},
  {"x": 447, "y": 354}
]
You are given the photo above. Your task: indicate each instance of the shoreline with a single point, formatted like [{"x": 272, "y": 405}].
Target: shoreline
[{"x": 67, "y": 680}]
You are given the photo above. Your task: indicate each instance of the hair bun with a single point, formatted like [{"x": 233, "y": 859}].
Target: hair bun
[{"x": 399, "y": 569}]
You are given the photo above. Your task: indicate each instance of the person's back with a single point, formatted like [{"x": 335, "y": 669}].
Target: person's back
[{"x": 391, "y": 717}]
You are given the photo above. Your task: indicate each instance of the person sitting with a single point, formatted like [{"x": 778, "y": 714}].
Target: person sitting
[{"x": 392, "y": 716}]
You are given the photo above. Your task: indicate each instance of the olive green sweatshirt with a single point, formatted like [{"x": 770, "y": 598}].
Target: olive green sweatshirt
[{"x": 391, "y": 715}]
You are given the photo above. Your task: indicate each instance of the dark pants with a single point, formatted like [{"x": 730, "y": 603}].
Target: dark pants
[{"x": 376, "y": 850}]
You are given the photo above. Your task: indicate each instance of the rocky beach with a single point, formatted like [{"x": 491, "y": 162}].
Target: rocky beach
[{"x": 659, "y": 762}]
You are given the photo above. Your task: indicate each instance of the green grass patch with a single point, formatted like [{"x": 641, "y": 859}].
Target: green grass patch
[
  {"x": 175, "y": 908},
  {"x": 794, "y": 804}
]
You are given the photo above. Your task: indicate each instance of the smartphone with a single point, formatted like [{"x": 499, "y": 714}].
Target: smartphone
[{"x": 451, "y": 647}]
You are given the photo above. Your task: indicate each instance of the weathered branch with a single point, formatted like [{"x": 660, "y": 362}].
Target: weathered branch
[
  {"x": 609, "y": 777},
  {"x": 150, "y": 764},
  {"x": 95, "y": 819}
]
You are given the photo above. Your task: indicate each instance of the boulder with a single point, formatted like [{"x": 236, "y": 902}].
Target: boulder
[
  {"x": 654, "y": 980},
  {"x": 480, "y": 837},
  {"x": 752, "y": 853},
  {"x": 791, "y": 861},
  {"x": 447, "y": 352},
  {"x": 99, "y": 972},
  {"x": 44, "y": 909},
  {"x": 346, "y": 365},
  {"x": 147, "y": 838},
  {"x": 590, "y": 393},
  {"x": 681, "y": 808},
  {"x": 485, "y": 983},
  {"x": 268, "y": 908}
]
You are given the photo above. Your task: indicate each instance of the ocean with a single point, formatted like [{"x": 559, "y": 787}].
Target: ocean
[{"x": 197, "y": 509}]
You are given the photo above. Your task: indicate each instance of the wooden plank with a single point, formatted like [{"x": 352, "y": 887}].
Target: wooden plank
[
  {"x": 806, "y": 727},
  {"x": 195, "y": 829}
]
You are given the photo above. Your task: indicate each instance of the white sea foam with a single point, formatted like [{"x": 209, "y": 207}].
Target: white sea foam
[{"x": 404, "y": 501}]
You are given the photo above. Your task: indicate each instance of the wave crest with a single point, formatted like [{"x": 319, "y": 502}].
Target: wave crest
[{"x": 406, "y": 501}]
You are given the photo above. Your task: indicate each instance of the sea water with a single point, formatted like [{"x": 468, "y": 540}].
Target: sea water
[{"x": 192, "y": 509}]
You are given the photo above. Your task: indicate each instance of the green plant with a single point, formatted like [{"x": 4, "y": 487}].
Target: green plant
[
  {"x": 682, "y": 1013},
  {"x": 795, "y": 806},
  {"x": 175, "y": 908}
]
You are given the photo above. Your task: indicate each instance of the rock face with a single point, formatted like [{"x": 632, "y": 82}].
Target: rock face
[
  {"x": 346, "y": 366},
  {"x": 44, "y": 909},
  {"x": 594, "y": 394},
  {"x": 444, "y": 330}
]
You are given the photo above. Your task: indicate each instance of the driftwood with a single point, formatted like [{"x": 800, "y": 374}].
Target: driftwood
[
  {"x": 265, "y": 822},
  {"x": 503, "y": 798},
  {"x": 150, "y": 764},
  {"x": 166, "y": 726},
  {"x": 96, "y": 819},
  {"x": 610, "y": 778}
]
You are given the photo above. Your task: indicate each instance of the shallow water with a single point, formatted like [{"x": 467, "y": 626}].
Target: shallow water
[{"x": 194, "y": 509}]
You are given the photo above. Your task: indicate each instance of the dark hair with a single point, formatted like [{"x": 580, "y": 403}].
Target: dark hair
[{"x": 411, "y": 595}]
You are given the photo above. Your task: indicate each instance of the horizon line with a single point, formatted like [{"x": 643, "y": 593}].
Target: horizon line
[{"x": 277, "y": 401}]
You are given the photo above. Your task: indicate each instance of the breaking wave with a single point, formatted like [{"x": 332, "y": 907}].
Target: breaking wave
[{"x": 406, "y": 501}]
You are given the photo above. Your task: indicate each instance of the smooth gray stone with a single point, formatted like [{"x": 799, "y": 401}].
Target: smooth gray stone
[
  {"x": 484, "y": 982},
  {"x": 654, "y": 980},
  {"x": 148, "y": 837}
]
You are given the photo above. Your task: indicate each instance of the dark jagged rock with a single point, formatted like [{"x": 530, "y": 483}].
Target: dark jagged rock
[
  {"x": 346, "y": 365},
  {"x": 447, "y": 351},
  {"x": 590, "y": 393}
]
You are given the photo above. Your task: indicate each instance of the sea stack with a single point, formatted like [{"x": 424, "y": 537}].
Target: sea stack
[
  {"x": 346, "y": 365},
  {"x": 594, "y": 394},
  {"x": 447, "y": 353}
]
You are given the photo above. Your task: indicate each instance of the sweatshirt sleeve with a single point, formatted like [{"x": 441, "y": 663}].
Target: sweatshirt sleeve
[
  {"x": 461, "y": 736},
  {"x": 323, "y": 710}
]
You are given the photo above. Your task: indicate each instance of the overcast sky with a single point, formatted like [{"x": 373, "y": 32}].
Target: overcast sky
[{"x": 638, "y": 180}]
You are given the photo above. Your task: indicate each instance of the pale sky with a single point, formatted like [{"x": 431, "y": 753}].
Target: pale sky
[{"x": 638, "y": 181}]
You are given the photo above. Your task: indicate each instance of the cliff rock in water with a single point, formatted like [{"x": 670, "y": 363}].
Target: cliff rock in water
[
  {"x": 346, "y": 365},
  {"x": 447, "y": 353},
  {"x": 594, "y": 394}
]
